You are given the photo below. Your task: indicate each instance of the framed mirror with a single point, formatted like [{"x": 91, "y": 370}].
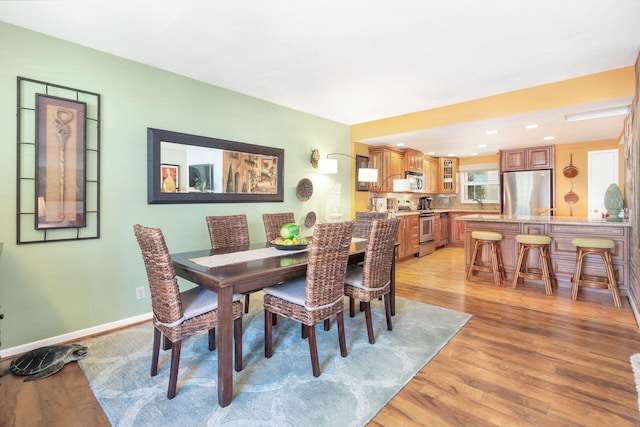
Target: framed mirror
[{"x": 183, "y": 168}]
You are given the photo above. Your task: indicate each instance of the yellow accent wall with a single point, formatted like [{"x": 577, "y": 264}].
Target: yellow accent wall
[{"x": 594, "y": 87}]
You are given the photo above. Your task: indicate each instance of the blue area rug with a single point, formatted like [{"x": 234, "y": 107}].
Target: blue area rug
[{"x": 280, "y": 391}]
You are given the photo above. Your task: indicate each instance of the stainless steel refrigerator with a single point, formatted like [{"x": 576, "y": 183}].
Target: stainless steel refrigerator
[{"x": 524, "y": 193}]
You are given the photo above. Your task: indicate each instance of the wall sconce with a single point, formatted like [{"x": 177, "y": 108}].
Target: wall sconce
[{"x": 330, "y": 166}]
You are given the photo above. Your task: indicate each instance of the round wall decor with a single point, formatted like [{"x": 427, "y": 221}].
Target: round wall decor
[
  {"x": 304, "y": 189},
  {"x": 310, "y": 219}
]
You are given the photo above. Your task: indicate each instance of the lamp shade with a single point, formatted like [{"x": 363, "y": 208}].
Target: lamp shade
[
  {"x": 328, "y": 166},
  {"x": 367, "y": 175},
  {"x": 401, "y": 185}
]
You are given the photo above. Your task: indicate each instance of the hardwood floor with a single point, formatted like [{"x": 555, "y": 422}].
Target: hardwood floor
[{"x": 524, "y": 358}]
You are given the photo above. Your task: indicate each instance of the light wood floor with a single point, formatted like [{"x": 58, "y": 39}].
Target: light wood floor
[{"x": 524, "y": 358}]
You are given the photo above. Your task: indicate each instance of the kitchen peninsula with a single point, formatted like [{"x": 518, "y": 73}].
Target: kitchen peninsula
[{"x": 561, "y": 230}]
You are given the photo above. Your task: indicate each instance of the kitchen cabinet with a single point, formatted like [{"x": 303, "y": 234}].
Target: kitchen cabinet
[
  {"x": 456, "y": 229},
  {"x": 441, "y": 228},
  {"x": 448, "y": 168},
  {"x": 430, "y": 169},
  {"x": 390, "y": 164},
  {"x": 413, "y": 161},
  {"x": 408, "y": 236},
  {"x": 526, "y": 159}
]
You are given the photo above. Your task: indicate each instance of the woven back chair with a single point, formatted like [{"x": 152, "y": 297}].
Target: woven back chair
[
  {"x": 273, "y": 222},
  {"x": 228, "y": 231},
  {"x": 363, "y": 222},
  {"x": 177, "y": 315},
  {"x": 372, "y": 279},
  {"x": 320, "y": 295}
]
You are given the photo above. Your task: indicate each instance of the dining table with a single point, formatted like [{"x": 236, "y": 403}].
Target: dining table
[{"x": 244, "y": 274}]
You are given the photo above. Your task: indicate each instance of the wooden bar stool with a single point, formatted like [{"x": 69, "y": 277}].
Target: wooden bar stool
[
  {"x": 602, "y": 247},
  {"x": 540, "y": 244},
  {"x": 491, "y": 240}
]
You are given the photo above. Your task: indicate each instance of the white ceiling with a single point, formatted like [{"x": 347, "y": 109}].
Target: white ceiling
[{"x": 354, "y": 61}]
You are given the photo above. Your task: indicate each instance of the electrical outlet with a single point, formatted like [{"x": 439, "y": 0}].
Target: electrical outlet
[{"x": 140, "y": 292}]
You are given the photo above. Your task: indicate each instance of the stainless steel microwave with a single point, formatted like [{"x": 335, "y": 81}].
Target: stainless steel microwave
[{"x": 416, "y": 180}]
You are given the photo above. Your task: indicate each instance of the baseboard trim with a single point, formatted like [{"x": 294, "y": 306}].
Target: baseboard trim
[{"x": 75, "y": 336}]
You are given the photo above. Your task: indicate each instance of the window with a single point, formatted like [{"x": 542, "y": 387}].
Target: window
[{"x": 483, "y": 185}]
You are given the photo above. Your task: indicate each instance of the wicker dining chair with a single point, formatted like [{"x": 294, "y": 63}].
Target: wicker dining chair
[
  {"x": 372, "y": 279},
  {"x": 319, "y": 295},
  {"x": 177, "y": 315},
  {"x": 273, "y": 222},
  {"x": 228, "y": 231},
  {"x": 363, "y": 221}
]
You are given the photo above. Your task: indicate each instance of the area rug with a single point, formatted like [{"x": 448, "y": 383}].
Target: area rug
[
  {"x": 280, "y": 391},
  {"x": 635, "y": 366}
]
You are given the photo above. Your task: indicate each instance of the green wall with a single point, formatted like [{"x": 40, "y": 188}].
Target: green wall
[{"x": 52, "y": 289}]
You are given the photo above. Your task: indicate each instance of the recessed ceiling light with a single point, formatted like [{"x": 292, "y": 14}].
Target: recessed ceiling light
[
  {"x": 400, "y": 144},
  {"x": 482, "y": 146},
  {"x": 431, "y": 153},
  {"x": 597, "y": 114},
  {"x": 549, "y": 138},
  {"x": 451, "y": 155},
  {"x": 473, "y": 154},
  {"x": 531, "y": 127},
  {"x": 491, "y": 132}
]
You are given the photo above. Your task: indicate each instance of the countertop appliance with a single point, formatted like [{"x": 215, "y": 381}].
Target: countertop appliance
[
  {"x": 526, "y": 192},
  {"x": 416, "y": 180},
  {"x": 424, "y": 203}
]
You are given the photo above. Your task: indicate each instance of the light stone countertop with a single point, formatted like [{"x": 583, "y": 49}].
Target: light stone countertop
[{"x": 571, "y": 220}]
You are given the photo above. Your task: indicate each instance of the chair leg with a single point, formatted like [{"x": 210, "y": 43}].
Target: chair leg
[
  {"x": 352, "y": 307},
  {"x": 246, "y": 303},
  {"x": 496, "y": 265},
  {"x": 327, "y": 325},
  {"x": 268, "y": 326},
  {"x": 387, "y": 310},
  {"x": 212, "y": 339},
  {"x": 155, "y": 352},
  {"x": 544, "y": 266},
  {"x": 237, "y": 337},
  {"x": 341, "y": 338},
  {"x": 367, "y": 316},
  {"x": 304, "y": 331},
  {"x": 473, "y": 261},
  {"x": 503, "y": 273},
  {"x": 313, "y": 350},
  {"x": 516, "y": 272},
  {"x": 173, "y": 373},
  {"x": 576, "y": 274},
  {"x": 613, "y": 284},
  {"x": 166, "y": 344}
]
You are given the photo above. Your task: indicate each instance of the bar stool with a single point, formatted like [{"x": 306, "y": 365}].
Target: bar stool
[
  {"x": 491, "y": 240},
  {"x": 602, "y": 247},
  {"x": 540, "y": 244}
]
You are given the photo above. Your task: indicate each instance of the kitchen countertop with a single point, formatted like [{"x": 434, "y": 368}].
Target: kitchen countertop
[{"x": 571, "y": 220}]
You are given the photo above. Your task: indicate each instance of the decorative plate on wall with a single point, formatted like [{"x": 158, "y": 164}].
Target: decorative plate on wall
[
  {"x": 310, "y": 219},
  {"x": 304, "y": 189}
]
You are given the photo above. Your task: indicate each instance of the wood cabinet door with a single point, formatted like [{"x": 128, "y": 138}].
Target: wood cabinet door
[
  {"x": 513, "y": 160},
  {"x": 437, "y": 230},
  {"x": 448, "y": 169},
  {"x": 431, "y": 174},
  {"x": 456, "y": 229},
  {"x": 540, "y": 157}
]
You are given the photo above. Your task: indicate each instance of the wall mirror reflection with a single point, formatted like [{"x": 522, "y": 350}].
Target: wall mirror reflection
[{"x": 185, "y": 168}]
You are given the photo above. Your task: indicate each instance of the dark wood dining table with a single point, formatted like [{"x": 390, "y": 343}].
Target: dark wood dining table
[{"x": 245, "y": 277}]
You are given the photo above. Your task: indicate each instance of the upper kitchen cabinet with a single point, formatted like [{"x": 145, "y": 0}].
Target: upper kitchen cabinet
[
  {"x": 413, "y": 161},
  {"x": 430, "y": 169},
  {"x": 390, "y": 164},
  {"x": 526, "y": 159},
  {"x": 448, "y": 170}
]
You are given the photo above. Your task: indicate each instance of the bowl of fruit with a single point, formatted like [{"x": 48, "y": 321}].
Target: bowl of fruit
[{"x": 290, "y": 239}]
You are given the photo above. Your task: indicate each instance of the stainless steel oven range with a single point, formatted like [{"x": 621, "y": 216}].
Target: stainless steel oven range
[{"x": 426, "y": 234}]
